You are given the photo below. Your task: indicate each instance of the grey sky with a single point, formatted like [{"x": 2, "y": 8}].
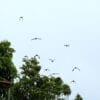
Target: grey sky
[{"x": 76, "y": 22}]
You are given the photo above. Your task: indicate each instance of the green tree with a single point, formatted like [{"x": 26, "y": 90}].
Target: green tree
[
  {"x": 58, "y": 86},
  {"x": 66, "y": 90},
  {"x": 26, "y": 88},
  {"x": 32, "y": 85},
  {"x": 7, "y": 69},
  {"x": 78, "y": 97}
]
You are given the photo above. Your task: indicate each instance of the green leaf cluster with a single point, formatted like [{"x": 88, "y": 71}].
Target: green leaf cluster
[{"x": 33, "y": 86}]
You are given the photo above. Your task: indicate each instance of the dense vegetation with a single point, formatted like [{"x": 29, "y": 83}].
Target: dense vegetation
[
  {"x": 7, "y": 69},
  {"x": 29, "y": 84}
]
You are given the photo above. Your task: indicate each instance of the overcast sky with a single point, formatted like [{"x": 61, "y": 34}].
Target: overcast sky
[{"x": 57, "y": 22}]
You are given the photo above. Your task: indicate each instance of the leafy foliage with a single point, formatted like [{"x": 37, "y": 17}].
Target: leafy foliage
[
  {"x": 32, "y": 85},
  {"x": 78, "y": 97},
  {"x": 7, "y": 69}
]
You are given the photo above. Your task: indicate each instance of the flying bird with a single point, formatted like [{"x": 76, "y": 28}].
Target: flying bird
[
  {"x": 66, "y": 45},
  {"x": 55, "y": 73},
  {"x": 36, "y": 38},
  {"x": 21, "y": 18},
  {"x": 37, "y": 56},
  {"x": 46, "y": 69},
  {"x": 52, "y": 60},
  {"x": 75, "y": 68},
  {"x": 73, "y": 81}
]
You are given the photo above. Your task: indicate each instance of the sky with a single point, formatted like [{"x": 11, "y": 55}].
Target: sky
[{"x": 57, "y": 22}]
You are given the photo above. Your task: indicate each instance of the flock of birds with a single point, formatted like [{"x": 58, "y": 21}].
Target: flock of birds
[{"x": 21, "y": 18}]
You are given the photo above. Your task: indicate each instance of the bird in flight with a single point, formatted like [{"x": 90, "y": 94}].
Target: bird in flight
[
  {"x": 37, "y": 56},
  {"x": 52, "y": 60},
  {"x": 75, "y": 68},
  {"x": 73, "y": 81},
  {"x": 36, "y": 38},
  {"x": 66, "y": 45},
  {"x": 21, "y": 18},
  {"x": 55, "y": 73},
  {"x": 46, "y": 69}
]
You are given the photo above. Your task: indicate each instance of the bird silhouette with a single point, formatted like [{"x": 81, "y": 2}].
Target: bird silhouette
[
  {"x": 52, "y": 60},
  {"x": 55, "y": 73},
  {"x": 21, "y": 18},
  {"x": 73, "y": 81},
  {"x": 37, "y": 56},
  {"x": 36, "y": 38},
  {"x": 46, "y": 69},
  {"x": 66, "y": 45},
  {"x": 75, "y": 68}
]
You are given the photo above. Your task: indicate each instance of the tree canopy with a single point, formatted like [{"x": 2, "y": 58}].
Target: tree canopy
[
  {"x": 78, "y": 97},
  {"x": 7, "y": 69},
  {"x": 33, "y": 85}
]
